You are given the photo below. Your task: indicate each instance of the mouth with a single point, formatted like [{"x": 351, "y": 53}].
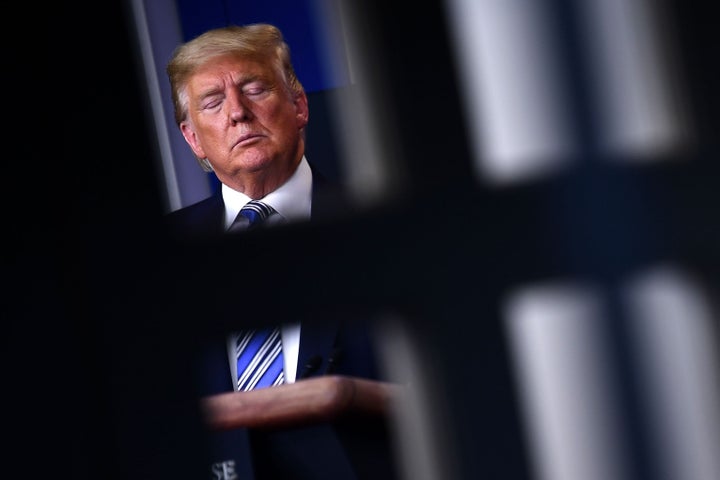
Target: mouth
[{"x": 248, "y": 138}]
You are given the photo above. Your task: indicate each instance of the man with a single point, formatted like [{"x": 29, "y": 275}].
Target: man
[{"x": 243, "y": 112}]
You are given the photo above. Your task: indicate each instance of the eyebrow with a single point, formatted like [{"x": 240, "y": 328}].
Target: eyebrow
[{"x": 243, "y": 80}]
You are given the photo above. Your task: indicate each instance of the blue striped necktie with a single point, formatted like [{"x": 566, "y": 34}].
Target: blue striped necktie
[
  {"x": 259, "y": 359},
  {"x": 258, "y": 352},
  {"x": 251, "y": 215}
]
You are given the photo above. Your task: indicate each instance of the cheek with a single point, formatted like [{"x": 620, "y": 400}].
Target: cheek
[
  {"x": 277, "y": 112},
  {"x": 212, "y": 130}
]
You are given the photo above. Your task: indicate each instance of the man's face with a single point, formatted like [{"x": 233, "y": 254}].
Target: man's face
[{"x": 246, "y": 122}]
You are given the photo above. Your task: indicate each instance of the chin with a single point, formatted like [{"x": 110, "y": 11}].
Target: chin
[{"x": 253, "y": 163}]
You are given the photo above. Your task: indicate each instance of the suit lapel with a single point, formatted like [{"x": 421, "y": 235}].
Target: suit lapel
[{"x": 316, "y": 339}]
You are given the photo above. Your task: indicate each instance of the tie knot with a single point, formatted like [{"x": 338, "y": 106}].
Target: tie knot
[{"x": 252, "y": 214}]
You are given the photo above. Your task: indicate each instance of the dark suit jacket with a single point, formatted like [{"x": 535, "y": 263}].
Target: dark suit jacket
[
  {"x": 205, "y": 218},
  {"x": 338, "y": 451},
  {"x": 341, "y": 450}
]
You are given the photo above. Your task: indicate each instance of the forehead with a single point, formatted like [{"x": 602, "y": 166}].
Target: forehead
[{"x": 217, "y": 71}]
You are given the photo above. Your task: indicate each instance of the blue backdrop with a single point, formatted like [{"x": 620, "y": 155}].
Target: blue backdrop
[{"x": 305, "y": 23}]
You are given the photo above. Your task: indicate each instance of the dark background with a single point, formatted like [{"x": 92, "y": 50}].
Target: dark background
[{"x": 127, "y": 300}]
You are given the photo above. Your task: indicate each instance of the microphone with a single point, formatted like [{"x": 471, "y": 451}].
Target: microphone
[
  {"x": 311, "y": 366},
  {"x": 333, "y": 360}
]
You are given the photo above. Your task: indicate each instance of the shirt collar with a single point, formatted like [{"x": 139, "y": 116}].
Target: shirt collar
[{"x": 292, "y": 200}]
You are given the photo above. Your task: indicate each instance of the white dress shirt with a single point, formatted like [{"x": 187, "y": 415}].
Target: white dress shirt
[{"x": 292, "y": 202}]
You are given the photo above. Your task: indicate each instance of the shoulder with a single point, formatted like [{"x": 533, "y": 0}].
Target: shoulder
[
  {"x": 330, "y": 198},
  {"x": 198, "y": 219}
]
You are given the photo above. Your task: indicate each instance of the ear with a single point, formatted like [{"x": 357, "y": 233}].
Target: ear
[
  {"x": 302, "y": 112},
  {"x": 191, "y": 138}
]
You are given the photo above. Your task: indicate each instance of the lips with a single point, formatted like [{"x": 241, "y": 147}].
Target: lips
[{"x": 248, "y": 137}]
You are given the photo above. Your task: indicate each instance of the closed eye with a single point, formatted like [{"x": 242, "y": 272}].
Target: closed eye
[
  {"x": 212, "y": 102},
  {"x": 254, "y": 88}
]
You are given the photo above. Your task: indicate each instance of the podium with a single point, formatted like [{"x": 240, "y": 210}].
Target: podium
[{"x": 303, "y": 403}]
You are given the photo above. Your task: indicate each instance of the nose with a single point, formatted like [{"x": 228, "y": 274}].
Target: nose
[{"x": 238, "y": 110}]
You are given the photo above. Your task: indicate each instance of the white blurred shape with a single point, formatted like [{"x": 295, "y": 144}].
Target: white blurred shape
[
  {"x": 369, "y": 157},
  {"x": 634, "y": 84},
  {"x": 675, "y": 342},
  {"x": 514, "y": 103},
  {"x": 567, "y": 392},
  {"x": 422, "y": 436}
]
